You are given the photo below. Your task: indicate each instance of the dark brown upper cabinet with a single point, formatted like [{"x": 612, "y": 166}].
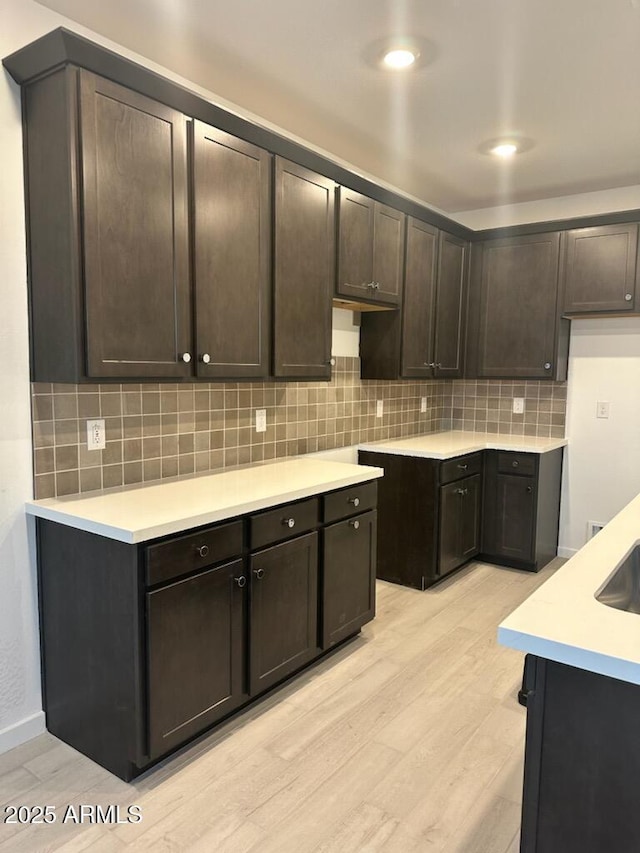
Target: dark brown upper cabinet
[
  {"x": 304, "y": 265},
  {"x": 515, "y": 327},
  {"x": 108, "y": 239},
  {"x": 231, "y": 216},
  {"x": 599, "y": 273},
  {"x": 370, "y": 251},
  {"x": 427, "y": 338}
]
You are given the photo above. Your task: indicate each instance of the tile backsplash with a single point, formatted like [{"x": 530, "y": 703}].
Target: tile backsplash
[{"x": 161, "y": 430}]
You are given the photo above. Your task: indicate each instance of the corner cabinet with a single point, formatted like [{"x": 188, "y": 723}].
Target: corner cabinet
[
  {"x": 370, "y": 251},
  {"x": 516, "y": 330},
  {"x": 145, "y": 647},
  {"x": 426, "y": 339},
  {"x": 103, "y": 261}
]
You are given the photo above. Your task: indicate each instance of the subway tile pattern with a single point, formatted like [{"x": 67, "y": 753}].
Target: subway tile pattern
[{"x": 156, "y": 430}]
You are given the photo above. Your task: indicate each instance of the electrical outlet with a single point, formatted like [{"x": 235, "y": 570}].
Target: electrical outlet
[
  {"x": 379, "y": 408},
  {"x": 602, "y": 409},
  {"x": 261, "y": 420},
  {"x": 96, "y": 434},
  {"x": 518, "y": 405},
  {"x": 423, "y": 404}
]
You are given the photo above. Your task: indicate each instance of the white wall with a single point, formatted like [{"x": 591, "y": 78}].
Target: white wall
[
  {"x": 602, "y": 461},
  {"x": 563, "y": 207},
  {"x": 20, "y": 705}
]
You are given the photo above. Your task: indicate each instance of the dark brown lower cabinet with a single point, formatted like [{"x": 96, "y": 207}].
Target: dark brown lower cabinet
[
  {"x": 582, "y": 761},
  {"x": 460, "y": 504},
  {"x": 145, "y": 647},
  {"x": 434, "y": 516},
  {"x": 283, "y": 621},
  {"x": 521, "y": 507},
  {"x": 348, "y": 577},
  {"x": 189, "y": 686}
]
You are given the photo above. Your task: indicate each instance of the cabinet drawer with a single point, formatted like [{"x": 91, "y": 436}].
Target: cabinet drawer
[
  {"x": 184, "y": 554},
  {"x": 284, "y": 521},
  {"x": 517, "y": 463},
  {"x": 460, "y": 466},
  {"x": 349, "y": 501}
]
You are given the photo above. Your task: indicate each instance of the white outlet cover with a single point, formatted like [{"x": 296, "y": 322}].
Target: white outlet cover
[
  {"x": 96, "y": 435},
  {"x": 518, "y": 405},
  {"x": 261, "y": 420},
  {"x": 423, "y": 404},
  {"x": 379, "y": 408},
  {"x": 602, "y": 409}
]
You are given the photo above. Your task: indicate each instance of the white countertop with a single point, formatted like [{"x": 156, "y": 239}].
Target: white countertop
[
  {"x": 445, "y": 445},
  {"x": 563, "y": 621},
  {"x": 138, "y": 513}
]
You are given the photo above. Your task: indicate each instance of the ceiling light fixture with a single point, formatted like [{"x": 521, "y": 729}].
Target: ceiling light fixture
[
  {"x": 506, "y": 147},
  {"x": 400, "y": 53},
  {"x": 399, "y": 58},
  {"x": 505, "y": 150}
]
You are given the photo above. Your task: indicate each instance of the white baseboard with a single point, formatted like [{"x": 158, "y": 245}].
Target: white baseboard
[
  {"x": 21, "y": 731},
  {"x": 567, "y": 552}
]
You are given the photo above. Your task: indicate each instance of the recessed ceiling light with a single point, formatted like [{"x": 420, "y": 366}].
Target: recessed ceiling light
[
  {"x": 400, "y": 53},
  {"x": 399, "y": 58},
  {"x": 505, "y": 149}
]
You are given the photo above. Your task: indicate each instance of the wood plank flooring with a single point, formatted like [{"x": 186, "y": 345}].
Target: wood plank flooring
[{"x": 408, "y": 739}]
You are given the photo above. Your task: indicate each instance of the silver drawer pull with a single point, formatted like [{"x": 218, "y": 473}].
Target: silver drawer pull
[
  {"x": 203, "y": 550},
  {"x": 355, "y": 524},
  {"x": 463, "y": 467},
  {"x": 241, "y": 581},
  {"x": 289, "y": 522},
  {"x": 515, "y": 463},
  {"x": 354, "y": 501}
]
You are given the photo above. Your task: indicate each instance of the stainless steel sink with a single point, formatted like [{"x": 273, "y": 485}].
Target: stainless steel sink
[{"x": 622, "y": 590}]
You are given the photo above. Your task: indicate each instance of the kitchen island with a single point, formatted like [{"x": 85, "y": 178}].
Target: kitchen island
[
  {"x": 450, "y": 497},
  {"x": 582, "y": 691},
  {"x": 165, "y": 608}
]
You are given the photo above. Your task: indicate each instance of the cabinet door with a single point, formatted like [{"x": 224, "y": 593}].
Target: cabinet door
[
  {"x": 518, "y": 323},
  {"x": 515, "y": 517},
  {"x": 304, "y": 270},
  {"x": 600, "y": 269},
  {"x": 470, "y": 518},
  {"x": 388, "y": 253},
  {"x": 231, "y": 211},
  {"x": 450, "y": 306},
  {"x": 418, "y": 302},
  {"x": 136, "y": 265},
  {"x": 355, "y": 245},
  {"x": 195, "y": 637},
  {"x": 284, "y": 610},
  {"x": 348, "y": 577},
  {"x": 459, "y": 523}
]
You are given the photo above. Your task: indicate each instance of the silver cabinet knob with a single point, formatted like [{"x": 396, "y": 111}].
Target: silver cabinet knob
[
  {"x": 376, "y": 285},
  {"x": 355, "y": 524},
  {"x": 289, "y": 522},
  {"x": 429, "y": 363},
  {"x": 186, "y": 357},
  {"x": 628, "y": 297},
  {"x": 203, "y": 550},
  {"x": 205, "y": 358},
  {"x": 547, "y": 365},
  {"x": 515, "y": 463},
  {"x": 354, "y": 501},
  {"x": 241, "y": 581},
  {"x": 259, "y": 573},
  {"x": 370, "y": 284}
]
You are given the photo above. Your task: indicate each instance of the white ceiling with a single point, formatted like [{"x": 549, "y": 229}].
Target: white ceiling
[{"x": 565, "y": 73}]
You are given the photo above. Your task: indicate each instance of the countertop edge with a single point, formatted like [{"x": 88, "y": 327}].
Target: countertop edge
[
  {"x": 135, "y": 536},
  {"x": 586, "y": 659}
]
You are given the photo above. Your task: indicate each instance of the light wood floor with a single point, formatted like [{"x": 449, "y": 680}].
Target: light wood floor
[{"x": 408, "y": 739}]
